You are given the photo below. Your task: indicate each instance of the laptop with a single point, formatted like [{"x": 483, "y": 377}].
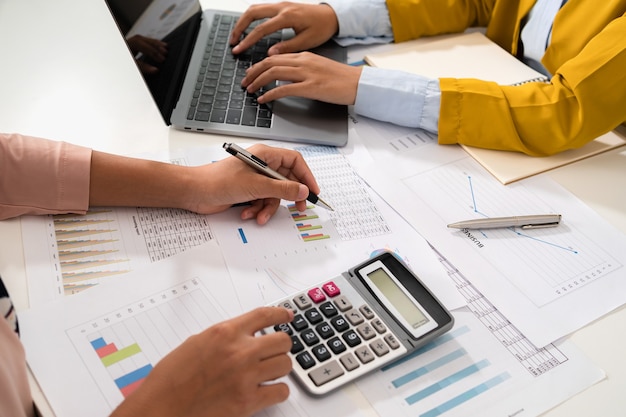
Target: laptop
[{"x": 198, "y": 86}]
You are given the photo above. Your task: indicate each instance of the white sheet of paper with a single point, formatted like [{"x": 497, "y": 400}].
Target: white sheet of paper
[
  {"x": 548, "y": 282},
  {"x": 145, "y": 316},
  {"x": 481, "y": 364}
]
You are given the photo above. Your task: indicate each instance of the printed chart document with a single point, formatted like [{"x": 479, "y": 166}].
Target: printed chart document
[
  {"x": 298, "y": 249},
  {"x": 432, "y": 185},
  {"x": 548, "y": 282},
  {"x": 469, "y": 372},
  {"x": 90, "y": 351},
  {"x": 67, "y": 254},
  {"x": 105, "y": 341},
  {"x": 472, "y": 55}
]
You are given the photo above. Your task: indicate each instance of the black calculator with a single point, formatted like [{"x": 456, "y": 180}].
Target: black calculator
[{"x": 359, "y": 321}]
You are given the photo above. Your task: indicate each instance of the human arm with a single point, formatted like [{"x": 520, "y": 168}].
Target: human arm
[
  {"x": 585, "y": 99},
  {"x": 15, "y": 398},
  {"x": 206, "y": 189},
  {"x": 40, "y": 176},
  {"x": 232, "y": 373},
  {"x": 315, "y": 24}
]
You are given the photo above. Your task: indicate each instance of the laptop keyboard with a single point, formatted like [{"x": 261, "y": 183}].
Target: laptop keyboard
[{"x": 218, "y": 96}]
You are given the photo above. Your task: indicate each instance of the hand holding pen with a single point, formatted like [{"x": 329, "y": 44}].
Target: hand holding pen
[{"x": 287, "y": 161}]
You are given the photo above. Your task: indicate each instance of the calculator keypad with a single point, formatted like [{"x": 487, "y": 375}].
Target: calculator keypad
[{"x": 336, "y": 336}]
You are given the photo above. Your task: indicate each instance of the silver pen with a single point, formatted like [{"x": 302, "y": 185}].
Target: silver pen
[
  {"x": 261, "y": 166},
  {"x": 535, "y": 221}
]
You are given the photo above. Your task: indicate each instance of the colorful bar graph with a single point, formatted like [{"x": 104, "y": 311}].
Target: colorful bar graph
[
  {"x": 309, "y": 238},
  {"x": 110, "y": 355},
  {"x": 299, "y": 216},
  {"x": 305, "y": 227}
]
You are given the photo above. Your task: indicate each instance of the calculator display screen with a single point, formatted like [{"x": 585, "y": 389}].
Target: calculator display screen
[{"x": 401, "y": 301}]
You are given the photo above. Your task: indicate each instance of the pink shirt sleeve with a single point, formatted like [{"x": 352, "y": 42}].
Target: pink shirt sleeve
[
  {"x": 40, "y": 176},
  {"x": 15, "y": 399}
]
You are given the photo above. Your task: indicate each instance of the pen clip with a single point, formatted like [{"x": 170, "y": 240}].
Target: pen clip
[
  {"x": 539, "y": 225},
  {"x": 235, "y": 150}
]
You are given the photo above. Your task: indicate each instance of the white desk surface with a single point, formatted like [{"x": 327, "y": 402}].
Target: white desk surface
[{"x": 65, "y": 74}]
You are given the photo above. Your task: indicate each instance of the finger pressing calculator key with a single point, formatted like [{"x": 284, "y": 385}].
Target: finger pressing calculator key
[{"x": 356, "y": 322}]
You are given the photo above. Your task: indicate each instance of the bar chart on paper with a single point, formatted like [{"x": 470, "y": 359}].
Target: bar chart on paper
[
  {"x": 120, "y": 348},
  {"x": 483, "y": 366},
  {"x": 113, "y": 356},
  {"x": 563, "y": 258},
  {"x": 451, "y": 367},
  {"x": 355, "y": 215},
  {"x": 102, "y": 243},
  {"x": 464, "y": 372},
  {"x": 313, "y": 231},
  {"x": 309, "y": 225}
]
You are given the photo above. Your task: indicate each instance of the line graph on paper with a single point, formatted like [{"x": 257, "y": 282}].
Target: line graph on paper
[{"x": 563, "y": 258}]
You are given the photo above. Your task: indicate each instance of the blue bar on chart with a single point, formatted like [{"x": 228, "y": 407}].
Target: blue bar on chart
[
  {"x": 447, "y": 381},
  {"x": 242, "y": 235},
  {"x": 438, "y": 363},
  {"x": 467, "y": 395}
]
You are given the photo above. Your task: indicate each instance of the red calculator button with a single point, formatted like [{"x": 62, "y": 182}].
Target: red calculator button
[
  {"x": 316, "y": 295},
  {"x": 331, "y": 289}
]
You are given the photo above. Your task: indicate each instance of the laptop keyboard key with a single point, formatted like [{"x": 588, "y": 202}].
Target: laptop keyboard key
[
  {"x": 249, "y": 116},
  {"x": 264, "y": 123},
  {"x": 202, "y": 117},
  {"x": 233, "y": 117}
]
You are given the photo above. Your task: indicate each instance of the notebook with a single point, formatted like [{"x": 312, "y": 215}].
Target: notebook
[
  {"x": 473, "y": 55},
  {"x": 198, "y": 86},
  {"x": 465, "y": 55}
]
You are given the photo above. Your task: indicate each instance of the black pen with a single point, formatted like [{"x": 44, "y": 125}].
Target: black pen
[{"x": 261, "y": 166}]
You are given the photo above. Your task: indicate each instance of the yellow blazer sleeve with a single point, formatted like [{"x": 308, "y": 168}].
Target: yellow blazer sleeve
[
  {"x": 585, "y": 99},
  {"x": 412, "y": 19}
]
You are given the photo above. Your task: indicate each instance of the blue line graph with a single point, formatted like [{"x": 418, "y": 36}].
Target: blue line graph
[
  {"x": 512, "y": 229},
  {"x": 543, "y": 263}
]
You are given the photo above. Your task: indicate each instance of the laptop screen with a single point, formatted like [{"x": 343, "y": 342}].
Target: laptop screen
[{"x": 143, "y": 23}]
